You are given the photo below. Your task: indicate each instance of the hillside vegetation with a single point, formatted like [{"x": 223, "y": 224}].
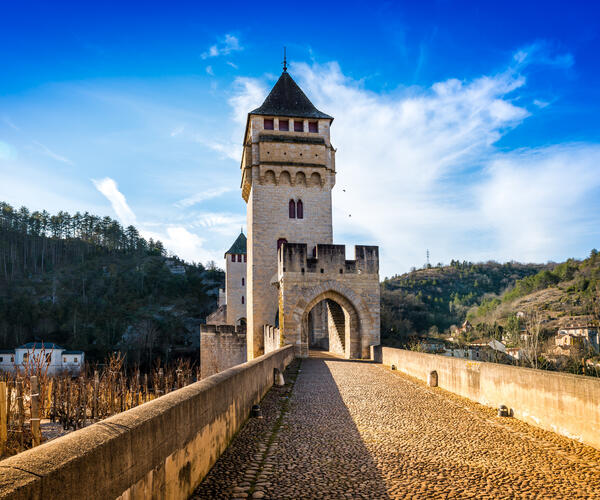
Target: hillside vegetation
[
  {"x": 567, "y": 291},
  {"x": 432, "y": 300},
  {"x": 87, "y": 283}
]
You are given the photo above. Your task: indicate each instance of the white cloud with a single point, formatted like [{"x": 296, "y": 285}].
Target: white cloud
[
  {"x": 418, "y": 168},
  {"x": 202, "y": 196},
  {"x": 209, "y": 70},
  {"x": 11, "y": 124},
  {"x": 541, "y": 104},
  {"x": 108, "y": 187},
  {"x": 55, "y": 156},
  {"x": 228, "y": 44},
  {"x": 177, "y": 130},
  {"x": 541, "y": 52},
  {"x": 233, "y": 65},
  {"x": 538, "y": 200},
  {"x": 186, "y": 245}
]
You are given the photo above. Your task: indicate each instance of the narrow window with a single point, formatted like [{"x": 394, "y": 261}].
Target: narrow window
[
  {"x": 269, "y": 124},
  {"x": 292, "y": 209},
  {"x": 242, "y": 281},
  {"x": 244, "y": 257},
  {"x": 314, "y": 252},
  {"x": 298, "y": 125},
  {"x": 74, "y": 360},
  {"x": 313, "y": 127},
  {"x": 284, "y": 125},
  {"x": 242, "y": 299},
  {"x": 300, "y": 210},
  {"x": 64, "y": 359},
  {"x": 12, "y": 359},
  {"x": 1, "y": 359}
]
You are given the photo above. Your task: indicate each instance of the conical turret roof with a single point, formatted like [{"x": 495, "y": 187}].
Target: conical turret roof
[
  {"x": 239, "y": 245},
  {"x": 287, "y": 99}
]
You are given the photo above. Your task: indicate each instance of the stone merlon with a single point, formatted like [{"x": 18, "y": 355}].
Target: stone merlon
[{"x": 328, "y": 259}]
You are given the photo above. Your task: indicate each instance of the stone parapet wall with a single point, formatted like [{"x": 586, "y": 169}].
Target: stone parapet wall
[
  {"x": 560, "y": 402},
  {"x": 272, "y": 338},
  {"x": 221, "y": 347},
  {"x": 161, "y": 449}
]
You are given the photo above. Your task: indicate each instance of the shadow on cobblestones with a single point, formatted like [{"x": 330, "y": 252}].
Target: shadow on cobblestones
[{"x": 305, "y": 446}]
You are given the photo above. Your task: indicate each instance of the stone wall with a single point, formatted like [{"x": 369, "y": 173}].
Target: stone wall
[
  {"x": 161, "y": 449},
  {"x": 277, "y": 167},
  {"x": 221, "y": 347},
  {"x": 560, "y": 402},
  {"x": 353, "y": 284},
  {"x": 272, "y": 339}
]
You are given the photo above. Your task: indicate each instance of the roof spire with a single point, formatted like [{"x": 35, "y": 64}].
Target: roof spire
[{"x": 284, "y": 61}]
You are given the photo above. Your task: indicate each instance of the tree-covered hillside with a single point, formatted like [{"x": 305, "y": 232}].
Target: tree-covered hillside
[
  {"x": 431, "y": 300},
  {"x": 87, "y": 283},
  {"x": 568, "y": 290}
]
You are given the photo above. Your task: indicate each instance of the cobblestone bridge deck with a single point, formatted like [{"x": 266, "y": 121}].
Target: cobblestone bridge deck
[{"x": 349, "y": 429}]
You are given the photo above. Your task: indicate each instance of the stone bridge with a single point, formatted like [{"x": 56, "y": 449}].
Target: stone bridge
[
  {"x": 337, "y": 429},
  {"x": 352, "y": 429}
]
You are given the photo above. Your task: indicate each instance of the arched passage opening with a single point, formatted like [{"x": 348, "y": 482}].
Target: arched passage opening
[{"x": 331, "y": 322}]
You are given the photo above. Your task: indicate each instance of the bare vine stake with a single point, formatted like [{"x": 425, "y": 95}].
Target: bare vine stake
[
  {"x": 68, "y": 413},
  {"x": 55, "y": 386},
  {"x": 21, "y": 411},
  {"x": 3, "y": 412},
  {"x": 95, "y": 401},
  {"x": 145, "y": 387},
  {"x": 35, "y": 410}
]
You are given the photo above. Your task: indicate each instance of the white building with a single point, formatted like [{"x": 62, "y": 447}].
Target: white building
[{"x": 58, "y": 359}]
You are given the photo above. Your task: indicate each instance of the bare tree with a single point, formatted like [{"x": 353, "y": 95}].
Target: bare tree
[{"x": 533, "y": 339}]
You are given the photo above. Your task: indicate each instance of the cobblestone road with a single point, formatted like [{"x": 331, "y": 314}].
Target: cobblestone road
[{"x": 347, "y": 429}]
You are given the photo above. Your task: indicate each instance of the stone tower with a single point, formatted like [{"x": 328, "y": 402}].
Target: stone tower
[
  {"x": 288, "y": 171},
  {"x": 235, "y": 281}
]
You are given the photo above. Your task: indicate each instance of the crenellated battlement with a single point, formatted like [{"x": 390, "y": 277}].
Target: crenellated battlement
[
  {"x": 327, "y": 259},
  {"x": 237, "y": 330}
]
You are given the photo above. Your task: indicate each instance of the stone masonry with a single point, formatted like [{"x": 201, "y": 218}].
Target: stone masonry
[{"x": 288, "y": 158}]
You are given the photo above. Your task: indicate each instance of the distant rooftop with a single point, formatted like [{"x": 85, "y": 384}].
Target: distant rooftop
[
  {"x": 41, "y": 345},
  {"x": 287, "y": 99}
]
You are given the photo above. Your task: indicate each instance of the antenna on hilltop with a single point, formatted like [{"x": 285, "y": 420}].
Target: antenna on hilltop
[
  {"x": 428, "y": 257},
  {"x": 284, "y": 61}
]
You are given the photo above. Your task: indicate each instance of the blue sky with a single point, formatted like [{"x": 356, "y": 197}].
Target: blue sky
[{"x": 466, "y": 128}]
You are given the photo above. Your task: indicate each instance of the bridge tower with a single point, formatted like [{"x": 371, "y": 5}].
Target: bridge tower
[{"x": 288, "y": 172}]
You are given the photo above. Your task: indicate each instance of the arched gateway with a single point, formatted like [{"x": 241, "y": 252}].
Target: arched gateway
[{"x": 344, "y": 294}]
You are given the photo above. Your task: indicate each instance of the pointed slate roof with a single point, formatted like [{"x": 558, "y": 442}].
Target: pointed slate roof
[
  {"x": 239, "y": 245},
  {"x": 287, "y": 99}
]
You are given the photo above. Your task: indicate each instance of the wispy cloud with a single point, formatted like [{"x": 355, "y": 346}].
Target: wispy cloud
[
  {"x": 202, "y": 196},
  {"x": 226, "y": 45},
  {"x": 420, "y": 169},
  {"x": 209, "y": 71},
  {"x": 11, "y": 124},
  {"x": 177, "y": 130},
  {"x": 541, "y": 52},
  {"x": 108, "y": 187},
  {"x": 55, "y": 156},
  {"x": 233, "y": 65},
  {"x": 183, "y": 243}
]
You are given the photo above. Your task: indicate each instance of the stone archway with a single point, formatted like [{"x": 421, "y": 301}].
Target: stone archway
[
  {"x": 344, "y": 325},
  {"x": 298, "y": 296}
]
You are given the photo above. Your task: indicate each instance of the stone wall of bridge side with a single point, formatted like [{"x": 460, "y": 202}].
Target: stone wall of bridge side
[
  {"x": 161, "y": 449},
  {"x": 560, "y": 402}
]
